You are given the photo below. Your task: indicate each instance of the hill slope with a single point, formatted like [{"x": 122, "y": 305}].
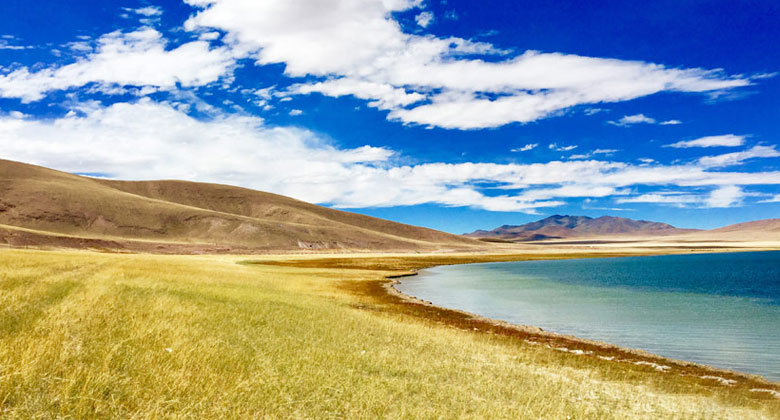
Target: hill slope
[
  {"x": 40, "y": 206},
  {"x": 557, "y": 227},
  {"x": 759, "y": 230}
]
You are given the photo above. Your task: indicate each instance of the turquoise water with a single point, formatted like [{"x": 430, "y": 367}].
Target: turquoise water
[{"x": 721, "y": 310}]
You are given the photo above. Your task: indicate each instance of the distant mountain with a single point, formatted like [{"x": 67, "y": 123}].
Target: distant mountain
[
  {"x": 44, "y": 207},
  {"x": 559, "y": 227}
]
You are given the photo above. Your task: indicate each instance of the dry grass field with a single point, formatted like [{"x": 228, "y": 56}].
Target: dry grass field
[{"x": 90, "y": 335}]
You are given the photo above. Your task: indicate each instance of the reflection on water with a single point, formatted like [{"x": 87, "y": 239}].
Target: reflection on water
[{"x": 718, "y": 309}]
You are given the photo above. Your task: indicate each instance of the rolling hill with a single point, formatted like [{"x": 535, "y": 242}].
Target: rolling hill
[
  {"x": 758, "y": 230},
  {"x": 44, "y": 207},
  {"x": 561, "y": 227}
]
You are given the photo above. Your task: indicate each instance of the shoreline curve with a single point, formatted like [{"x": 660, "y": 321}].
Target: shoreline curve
[{"x": 593, "y": 348}]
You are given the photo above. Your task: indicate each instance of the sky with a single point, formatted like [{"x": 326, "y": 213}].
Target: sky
[{"x": 451, "y": 114}]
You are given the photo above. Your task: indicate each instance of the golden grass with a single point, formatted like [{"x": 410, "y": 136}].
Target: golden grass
[{"x": 87, "y": 335}]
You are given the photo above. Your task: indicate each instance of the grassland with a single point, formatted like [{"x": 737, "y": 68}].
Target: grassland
[{"x": 88, "y": 335}]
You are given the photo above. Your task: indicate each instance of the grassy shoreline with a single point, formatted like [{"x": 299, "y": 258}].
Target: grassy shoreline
[
  {"x": 384, "y": 291},
  {"x": 89, "y": 335}
]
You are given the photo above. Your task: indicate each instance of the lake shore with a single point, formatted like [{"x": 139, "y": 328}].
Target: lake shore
[
  {"x": 536, "y": 336},
  {"x": 586, "y": 347},
  {"x": 106, "y": 335}
]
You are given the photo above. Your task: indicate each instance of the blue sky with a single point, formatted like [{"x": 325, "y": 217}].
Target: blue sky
[{"x": 456, "y": 115}]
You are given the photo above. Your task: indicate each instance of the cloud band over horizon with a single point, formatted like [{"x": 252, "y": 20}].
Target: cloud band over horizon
[{"x": 129, "y": 103}]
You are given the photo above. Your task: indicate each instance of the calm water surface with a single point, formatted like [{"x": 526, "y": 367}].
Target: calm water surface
[{"x": 718, "y": 309}]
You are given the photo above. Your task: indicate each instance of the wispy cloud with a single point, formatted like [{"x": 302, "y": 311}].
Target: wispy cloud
[
  {"x": 736, "y": 158},
  {"x": 720, "y": 197},
  {"x": 728, "y": 140},
  {"x": 593, "y": 153},
  {"x": 121, "y": 59},
  {"x": 629, "y": 120},
  {"x": 527, "y": 147},
  {"x": 149, "y": 15},
  {"x": 145, "y": 140},
  {"x": 148, "y": 11},
  {"x": 5, "y": 45},
  {"x": 557, "y": 148}
]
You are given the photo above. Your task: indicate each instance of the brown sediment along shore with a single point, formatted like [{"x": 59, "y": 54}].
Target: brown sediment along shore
[{"x": 380, "y": 295}]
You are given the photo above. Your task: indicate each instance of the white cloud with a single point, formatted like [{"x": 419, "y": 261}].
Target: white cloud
[
  {"x": 774, "y": 199},
  {"x": 383, "y": 96},
  {"x": 527, "y": 147},
  {"x": 124, "y": 59},
  {"x": 209, "y": 36},
  {"x": 554, "y": 146},
  {"x": 662, "y": 198},
  {"x": 629, "y": 120},
  {"x": 424, "y": 19},
  {"x": 149, "y": 15},
  {"x": 720, "y": 197},
  {"x": 359, "y": 43},
  {"x": 151, "y": 140},
  {"x": 593, "y": 111},
  {"x": 726, "y": 196},
  {"x": 729, "y": 159},
  {"x": 296, "y": 112},
  {"x": 729, "y": 140},
  {"x": 633, "y": 119},
  {"x": 5, "y": 45},
  {"x": 148, "y": 11},
  {"x": 605, "y": 152}
]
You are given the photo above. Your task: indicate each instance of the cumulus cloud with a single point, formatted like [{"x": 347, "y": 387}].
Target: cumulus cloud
[
  {"x": 159, "y": 140},
  {"x": 729, "y": 140},
  {"x": 138, "y": 58},
  {"x": 424, "y": 19},
  {"x": 428, "y": 80},
  {"x": 726, "y": 196},
  {"x": 629, "y": 120}
]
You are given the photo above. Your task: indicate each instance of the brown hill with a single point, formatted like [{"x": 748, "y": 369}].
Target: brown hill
[
  {"x": 560, "y": 227},
  {"x": 759, "y": 230},
  {"x": 40, "y": 206}
]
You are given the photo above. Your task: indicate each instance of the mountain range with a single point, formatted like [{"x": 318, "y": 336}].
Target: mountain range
[{"x": 559, "y": 227}]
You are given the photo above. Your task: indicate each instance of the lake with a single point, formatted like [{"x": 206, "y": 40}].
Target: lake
[{"x": 720, "y": 309}]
